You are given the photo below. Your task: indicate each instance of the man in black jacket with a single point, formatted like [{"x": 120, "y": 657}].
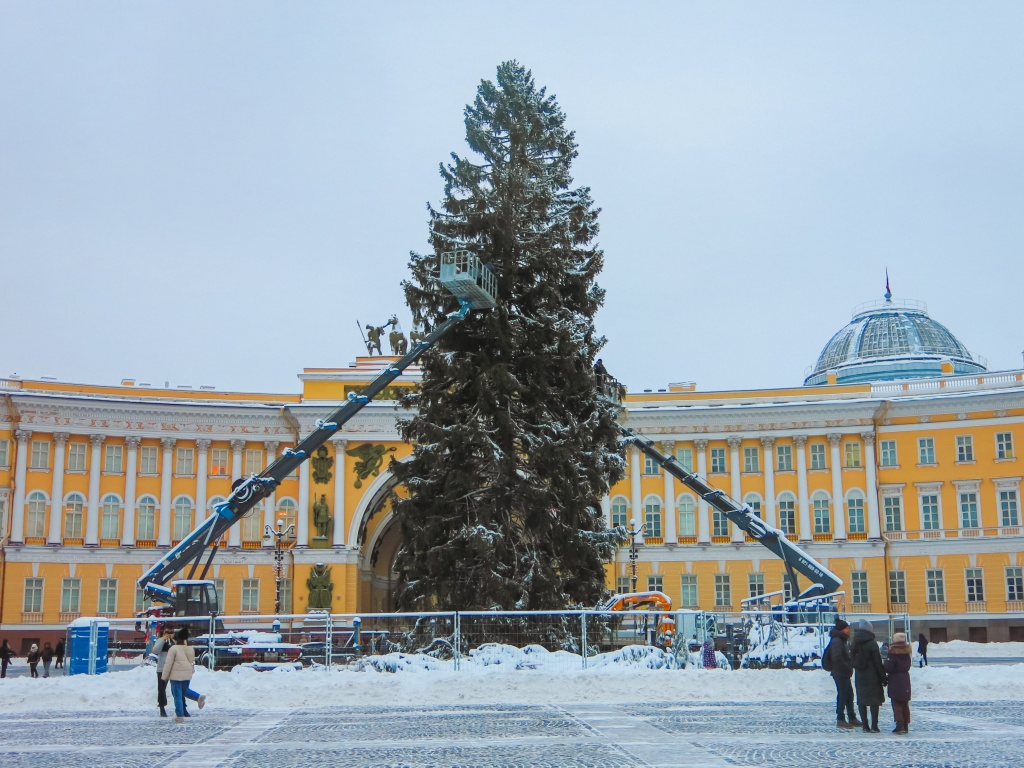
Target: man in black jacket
[{"x": 839, "y": 664}]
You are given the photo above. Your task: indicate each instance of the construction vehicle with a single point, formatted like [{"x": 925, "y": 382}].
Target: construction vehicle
[{"x": 463, "y": 275}]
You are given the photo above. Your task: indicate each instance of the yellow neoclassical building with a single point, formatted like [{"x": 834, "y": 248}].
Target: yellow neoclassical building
[{"x": 895, "y": 465}]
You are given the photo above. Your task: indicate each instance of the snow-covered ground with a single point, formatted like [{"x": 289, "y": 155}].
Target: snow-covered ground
[{"x": 508, "y": 675}]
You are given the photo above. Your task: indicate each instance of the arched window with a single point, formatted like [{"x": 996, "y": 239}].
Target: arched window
[
  {"x": 182, "y": 518},
  {"x": 787, "y": 513},
  {"x": 620, "y": 512},
  {"x": 287, "y": 513},
  {"x": 36, "y": 514},
  {"x": 74, "y": 504},
  {"x": 822, "y": 512},
  {"x": 145, "y": 528},
  {"x": 753, "y": 501},
  {"x": 652, "y": 516},
  {"x": 212, "y": 506},
  {"x": 110, "y": 520},
  {"x": 687, "y": 515},
  {"x": 855, "y": 510},
  {"x": 252, "y": 523}
]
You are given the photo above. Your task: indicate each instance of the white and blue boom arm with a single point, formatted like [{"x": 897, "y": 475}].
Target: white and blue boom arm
[
  {"x": 463, "y": 275},
  {"x": 823, "y": 581}
]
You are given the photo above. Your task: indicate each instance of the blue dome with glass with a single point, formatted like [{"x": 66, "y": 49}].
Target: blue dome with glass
[{"x": 889, "y": 340}]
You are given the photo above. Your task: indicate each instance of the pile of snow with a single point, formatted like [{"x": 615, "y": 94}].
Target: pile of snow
[
  {"x": 961, "y": 649},
  {"x": 495, "y": 674}
]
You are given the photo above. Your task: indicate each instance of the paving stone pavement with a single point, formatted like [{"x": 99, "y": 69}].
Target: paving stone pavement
[{"x": 738, "y": 735}]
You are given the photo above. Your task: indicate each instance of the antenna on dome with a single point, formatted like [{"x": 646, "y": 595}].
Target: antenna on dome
[{"x": 888, "y": 292}]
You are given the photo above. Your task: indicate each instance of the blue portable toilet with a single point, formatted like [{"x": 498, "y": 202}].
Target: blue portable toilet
[{"x": 84, "y": 634}]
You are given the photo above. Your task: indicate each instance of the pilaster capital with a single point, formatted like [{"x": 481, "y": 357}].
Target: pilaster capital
[
  {"x": 700, "y": 444},
  {"x": 834, "y": 438},
  {"x": 133, "y": 441},
  {"x": 203, "y": 444},
  {"x": 59, "y": 438},
  {"x": 339, "y": 443},
  {"x": 799, "y": 440},
  {"x": 237, "y": 445},
  {"x": 668, "y": 446},
  {"x": 868, "y": 437},
  {"x": 272, "y": 446},
  {"x": 734, "y": 442},
  {"x": 22, "y": 435},
  {"x": 168, "y": 442},
  {"x": 97, "y": 440},
  {"x": 768, "y": 442}
]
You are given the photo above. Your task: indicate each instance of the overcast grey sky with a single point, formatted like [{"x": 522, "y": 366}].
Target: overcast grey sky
[{"x": 214, "y": 192}]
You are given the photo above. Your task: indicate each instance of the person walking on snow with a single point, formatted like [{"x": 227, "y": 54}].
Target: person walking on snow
[
  {"x": 33, "y": 659},
  {"x": 869, "y": 674},
  {"x": 838, "y": 663},
  {"x": 47, "y": 656},
  {"x": 58, "y": 653},
  {"x": 160, "y": 649},
  {"x": 6, "y": 654},
  {"x": 898, "y": 667},
  {"x": 922, "y": 648},
  {"x": 178, "y": 669}
]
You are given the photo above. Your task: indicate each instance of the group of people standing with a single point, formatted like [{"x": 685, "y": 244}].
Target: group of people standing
[
  {"x": 46, "y": 655},
  {"x": 176, "y": 663},
  {"x": 861, "y": 661}
]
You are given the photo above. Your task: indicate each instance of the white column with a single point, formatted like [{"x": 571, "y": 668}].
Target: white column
[
  {"x": 800, "y": 442},
  {"x": 270, "y": 501},
  {"x": 838, "y": 524},
  {"x": 636, "y": 498},
  {"x": 18, "y": 505},
  {"x": 130, "y": 477},
  {"x": 338, "y": 540},
  {"x": 874, "y": 522},
  {"x": 57, "y": 489},
  {"x": 736, "y": 490},
  {"x": 606, "y": 510},
  {"x": 203, "y": 449},
  {"x": 703, "y": 519},
  {"x": 302, "y": 529},
  {"x": 671, "y": 512},
  {"x": 768, "y": 445},
  {"x": 235, "y": 531},
  {"x": 166, "y": 473},
  {"x": 92, "y": 520}
]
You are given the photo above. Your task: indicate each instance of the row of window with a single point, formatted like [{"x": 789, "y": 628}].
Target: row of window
[
  {"x": 821, "y": 506},
  {"x": 934, "y": 581},
  {"x": 182, "y": 520},
  {"x": 851, "y": 452},
  {"x": 889, "y": 457},
  {"x": 76, "y": 460},
  {"x": 71, "y": 596}
]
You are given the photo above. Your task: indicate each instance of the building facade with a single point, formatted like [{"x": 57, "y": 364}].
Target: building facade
[{"x": 907, "y": 486}]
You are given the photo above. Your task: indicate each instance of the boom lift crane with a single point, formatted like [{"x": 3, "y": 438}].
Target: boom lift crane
[
  {"x": 463, "y": 275},
  {"x": 823, "y": 581}
]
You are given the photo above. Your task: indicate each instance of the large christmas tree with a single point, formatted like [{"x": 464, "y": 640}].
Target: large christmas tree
[{"x": 513, "y": 449}]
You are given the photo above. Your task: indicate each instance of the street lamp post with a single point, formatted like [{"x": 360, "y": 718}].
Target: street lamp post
[
  {"x": 636, "y": 531},
  {"x": 277, "y": 535}
]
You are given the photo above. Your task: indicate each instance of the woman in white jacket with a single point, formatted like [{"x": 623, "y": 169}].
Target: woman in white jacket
[{"x": 178, "y": 670}]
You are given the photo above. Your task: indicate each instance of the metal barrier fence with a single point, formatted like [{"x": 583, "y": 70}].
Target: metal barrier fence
[{"x": 554, "y": 640}]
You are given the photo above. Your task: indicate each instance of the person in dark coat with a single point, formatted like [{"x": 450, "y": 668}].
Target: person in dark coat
[
  {"x": 46, "y": 655},
  {"x": 898, "y": 668},
  {"x": 839, "y": 664},
  {"x": 58, "y": 655},
  {"x": 922, "y": 648},
  {"x": 6, "y": 654},
  {"x": 869, "y": 674},
  {"x": 33, "y": 660}
]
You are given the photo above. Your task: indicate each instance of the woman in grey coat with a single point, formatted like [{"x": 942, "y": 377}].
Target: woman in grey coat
[{"x": 870, "y": 677}]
